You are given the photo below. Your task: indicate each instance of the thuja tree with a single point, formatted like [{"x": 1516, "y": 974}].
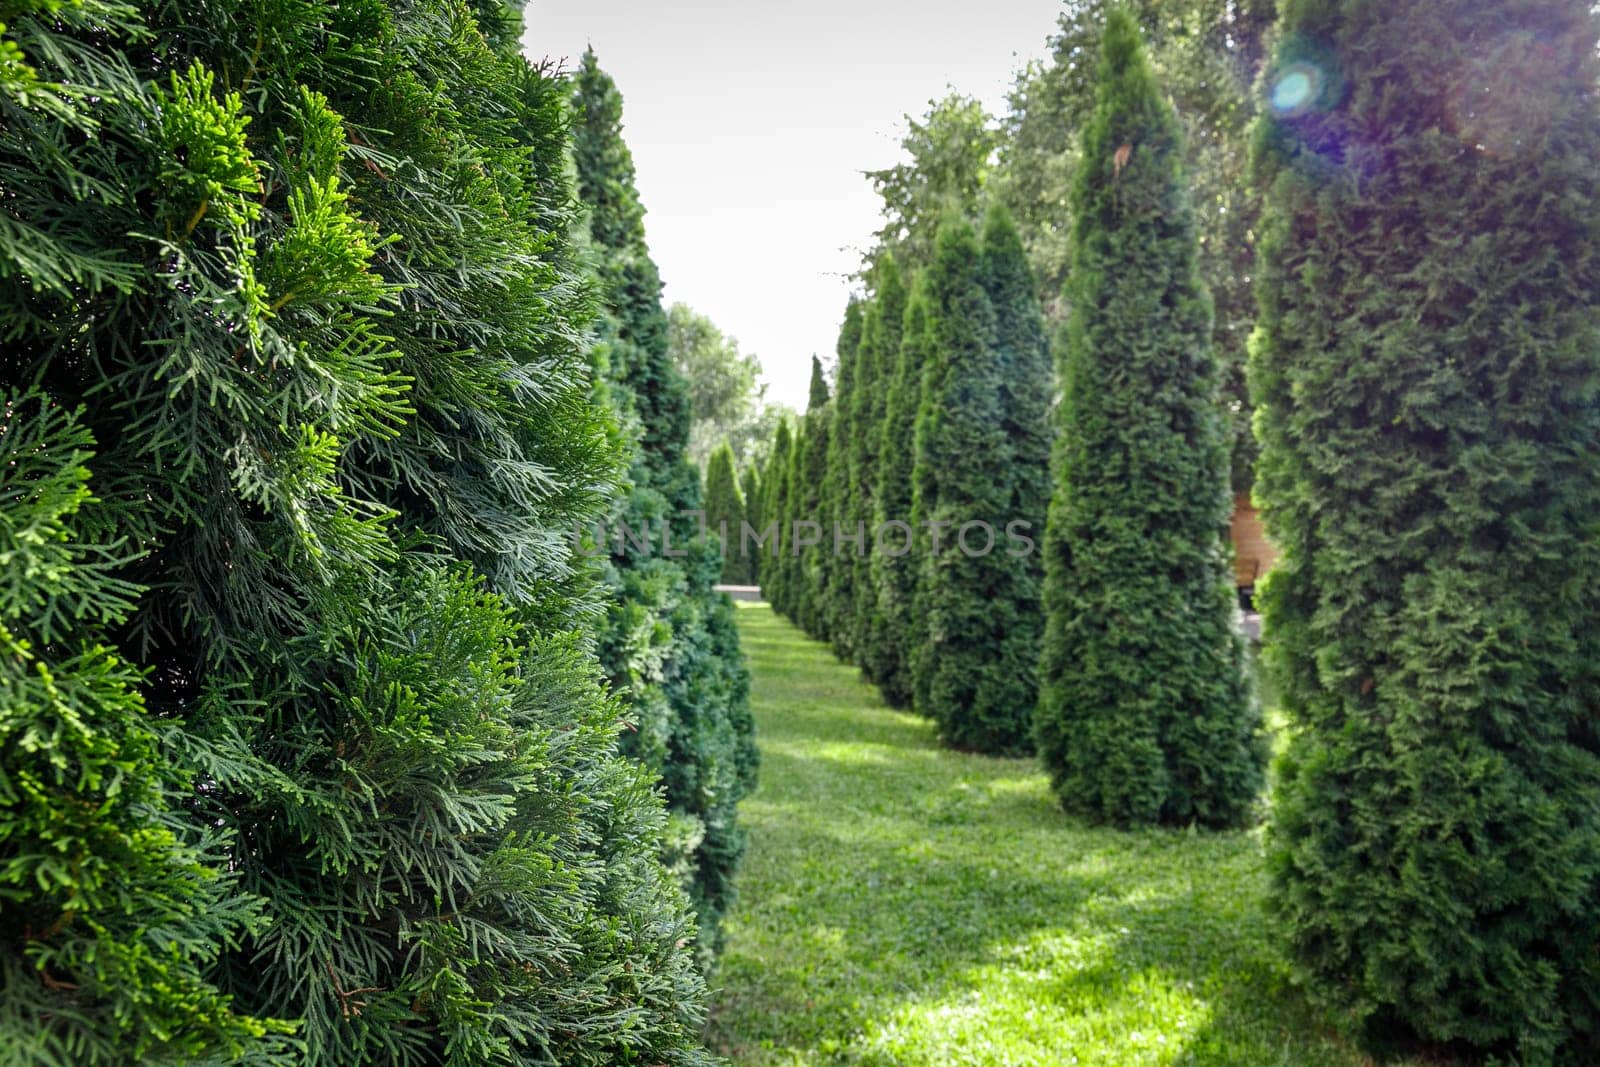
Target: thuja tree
[
  {"x": 113, "y": 905},
  {"x": 725, "y": 510},
  {"x": 413, "y": 784},
  {"x": 1145, "y": 713},
  {"x": 775, "y": 509},
  {"x": 1027, "y": 384},
  {"x": 806, "y": 500},
  {"x": 1207, "y": 54},
  {"x": 668, "y": 642},
  {"x": 894, "y": 568},
  {"x": 499, "y": 456},
  {"x": 968, "y": 672},
  {"x": 786, "y": 592},
  {"x": 1427, "y": 372},
  {"x": 837, "y": 508},
  {"x": 753, "y": 492},
  {"x": 880, "y": 348}
]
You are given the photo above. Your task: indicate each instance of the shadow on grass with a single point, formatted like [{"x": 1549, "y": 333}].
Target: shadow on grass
[{"x": 903, "y": 904}]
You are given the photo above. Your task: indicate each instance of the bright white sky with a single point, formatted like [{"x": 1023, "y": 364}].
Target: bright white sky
[{"x": 750, "y": 123}]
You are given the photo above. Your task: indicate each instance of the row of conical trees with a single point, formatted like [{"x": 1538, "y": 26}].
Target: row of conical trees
[
  {"x": 936, "y": 436},
  {"x": 667, "y": 640},
  {"x": 306, "y": 751},
  {"x": 1425, "y": 370},
  {"x": 1105, "y": 637}
]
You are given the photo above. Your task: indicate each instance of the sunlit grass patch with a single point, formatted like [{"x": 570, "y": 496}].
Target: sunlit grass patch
[{"x": 903, "y": 905}]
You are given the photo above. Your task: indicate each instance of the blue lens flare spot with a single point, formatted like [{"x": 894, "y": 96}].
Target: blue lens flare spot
[{"x": 1296, "y": 89}]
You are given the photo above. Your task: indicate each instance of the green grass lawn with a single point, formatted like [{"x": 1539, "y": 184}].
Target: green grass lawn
[{"x": 903, "y": 904}]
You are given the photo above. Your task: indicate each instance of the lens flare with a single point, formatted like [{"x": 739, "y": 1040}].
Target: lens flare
[{"x": 1296, "y": 89}]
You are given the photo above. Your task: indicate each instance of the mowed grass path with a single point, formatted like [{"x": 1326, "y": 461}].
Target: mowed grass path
[{"x": 903, "y": 904}]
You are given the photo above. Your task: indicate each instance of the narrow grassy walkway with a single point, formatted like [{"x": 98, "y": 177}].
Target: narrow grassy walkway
[{"x": 902, "y": 904}]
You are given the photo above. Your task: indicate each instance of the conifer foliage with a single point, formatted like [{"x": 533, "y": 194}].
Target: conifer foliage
[
  {"x": 668, "y": 642},
  {"x": 301, "y": 729},
  {"x": 1027, "y": 385},
  {"x": 1427, "y": 374},
  {"x": 753, "y": 492},
  {"x": 809, "y": 503},
  {"x": 917, "y": 492},
  {"x": 725, "y": 511},
  {"x": 973, "y": 662},
  {"x": 894, "y": 567},
  {"x": 114, "y": 910},
  {"x": 880, "y": 349},
  {"x": 1145, "y": 714},
  {"x": 836, "y": 512},
  {"x": 770, "y": 568}
]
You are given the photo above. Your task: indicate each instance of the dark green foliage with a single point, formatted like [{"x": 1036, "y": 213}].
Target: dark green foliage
[
  {"x": 441, "y": 933},
  {"x": 635, "y": 326},
  {"x": 1427, "y": 370},
  {"x": 1145, "y": 712},
  {"x": 1206, "y": 54},
  {"x": 1027, "y": 378},
  {"x": 818, "y": 389},
  {"x": 725, "y": 510},
  {"x": 790, "y": 589},
  {"x": 894, "y": 574},
  {"x": 774, "y": 511},
  {"x": 673, "y": 635},
  {"x": 807, "y": 501},
  {"x": 972, "y": 666},
  {"x": 753, "y": 492},
  {"x": 309, "y": 283},
  {"x": 667, "y": 643},
  {"x": 112, "y": 908},
  {"x": 837, "y": 508},
  {"x": 1027, "y": 385},
  {"x": 880, "y": 350}
]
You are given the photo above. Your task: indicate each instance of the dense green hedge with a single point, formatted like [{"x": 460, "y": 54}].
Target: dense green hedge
[
  {"x": 299, "y": 717},
  {"x": 1427, "y": 369}
]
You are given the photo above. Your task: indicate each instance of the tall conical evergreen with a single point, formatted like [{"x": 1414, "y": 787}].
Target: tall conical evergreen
[
  {"x": 1027, "y": 383},
  {"x": 895, "y": 566},
  {"x": 651, "y": 389},
  {"x": 1427, "y": 369},
  {"x": 669, "y": 645},
  {"x": 1146, "y": 713},
  {"x": 807, "y": 500},
  {"x": 880, "y": 349},
  {"x": 775, "y": 510},
  {"x": 754, "y": 493},
  {"x": 1026, "y": 389},
  {"x": 788, "y": 564},
  {"x": 968, "y": 671},
  {"x": 817, "y": 390},
  {"x": 316, "y": 308},
  {"x": 836, "y": 570},
  {"x": 725, "y": 510}
]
